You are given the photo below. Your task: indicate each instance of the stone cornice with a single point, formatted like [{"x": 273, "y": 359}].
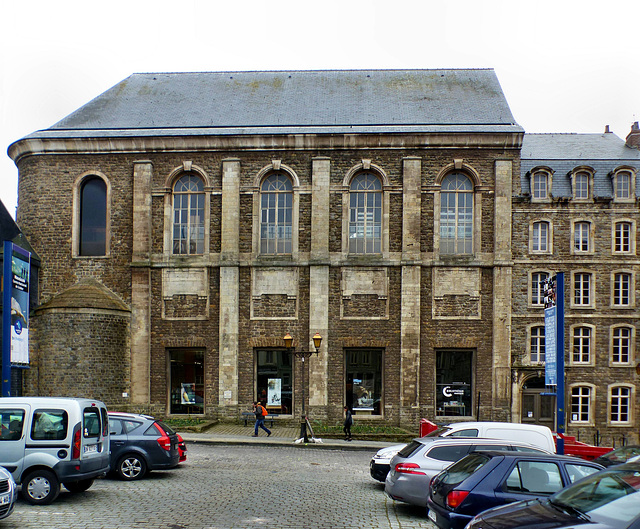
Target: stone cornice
[{"x": 160, "y": 144}]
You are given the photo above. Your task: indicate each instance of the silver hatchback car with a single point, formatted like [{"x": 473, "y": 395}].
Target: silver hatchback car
[{"x": 413, "y": 467}]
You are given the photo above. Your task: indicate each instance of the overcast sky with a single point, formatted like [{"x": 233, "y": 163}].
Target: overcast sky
[{"x": 564, "y": 65}]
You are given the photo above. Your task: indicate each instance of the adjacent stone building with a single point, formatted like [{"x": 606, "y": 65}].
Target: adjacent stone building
[{"x": 187, "y": 222}]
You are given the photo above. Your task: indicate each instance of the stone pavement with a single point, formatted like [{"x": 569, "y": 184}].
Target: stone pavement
[{"x": 233, "y": 434}]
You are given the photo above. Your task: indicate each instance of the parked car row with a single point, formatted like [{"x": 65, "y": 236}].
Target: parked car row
[
  {"x": 46, "y": 442},
  {"x": 478, "y": 483}
]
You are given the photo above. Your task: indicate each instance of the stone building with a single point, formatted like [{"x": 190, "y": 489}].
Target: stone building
[{"x": 187, "y": 222}]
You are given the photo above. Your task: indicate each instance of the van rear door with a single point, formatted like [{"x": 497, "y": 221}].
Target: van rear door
[
  {"x": 14, "y": 423},
  {"x": 94, "y": 437}
]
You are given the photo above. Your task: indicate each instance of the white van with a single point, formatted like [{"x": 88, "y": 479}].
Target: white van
[
  {"x": 533, "y": 434},
  {"x": 48, "y": 441}
]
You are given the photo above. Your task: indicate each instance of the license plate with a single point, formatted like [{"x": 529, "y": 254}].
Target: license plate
[
  {"x": 90, "y": 448},
  {"x": 431, "y": 515},
  {"x": 4, "y": 499}
]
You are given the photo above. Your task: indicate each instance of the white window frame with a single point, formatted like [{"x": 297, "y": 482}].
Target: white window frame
[
  {"x": 619, "y": 237},
  {"x": 614, "y": 344},
  {"x": 587, "y": 339},
  {"x": 620, "y": 195},
  {"x": 618, "y": 280},
  {"x": 536, "y": 332},
  {"x": 582, "y": 228},
  {"x": 535, "y": 288},
  {"x": 585, "y": 400},
  {"x": 538, "y": 176},
  {"x": 615, "y": 394},
  {"x": 274, "y": 204},
  {"x": 580, "y": 276},
  {"x": 534, "y": 237},
  {"x": 582, "y": 184}
]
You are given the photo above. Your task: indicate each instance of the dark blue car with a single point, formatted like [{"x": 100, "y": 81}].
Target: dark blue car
[{"x": 484, "y": 480}]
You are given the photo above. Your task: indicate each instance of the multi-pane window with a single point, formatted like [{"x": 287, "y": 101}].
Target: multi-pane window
[
  {"x": 540, "y": 185},
  {"x": 581, "y": 351},
  {"x": 622, "y": 237},
  {"x": 537, "y": 287},
  {"x": 620, "y": 399},
  {"x": 581, "y": 235},
  {"x": 540, "y": 241},
  {"x": 276, "y": 208},
  {"x": 621, "y": 289},
  {"x": 456, "y": 215},
  {"x": 365, "y": 214},
  {"x": 580, "y": 404},
  {"x": 623, "y": 185},
  {"x": 582, "y": 289},
  {"x": 621, "y": 345},
  {"x": 537, "y": 344},
  {"x": 93, "y": 217},
  {"x": 581, "y": 185},
  {"x": 188, "y": 216}
]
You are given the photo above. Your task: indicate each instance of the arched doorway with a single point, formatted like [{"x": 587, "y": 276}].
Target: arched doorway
[{"x": 538, "y": 407}]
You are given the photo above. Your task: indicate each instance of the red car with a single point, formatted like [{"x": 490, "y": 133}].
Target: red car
[{"x": 182, "y": 449}]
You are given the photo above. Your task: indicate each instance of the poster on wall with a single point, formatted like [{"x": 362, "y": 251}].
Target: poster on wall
[
  {"x": 274, "y": 392},
  {"x": 20, "y": 266}
]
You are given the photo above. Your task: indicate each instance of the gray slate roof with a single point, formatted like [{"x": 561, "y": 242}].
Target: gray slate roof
[
  {"x": 294, "y": 102},
  {"x": 564, "y": 152}
]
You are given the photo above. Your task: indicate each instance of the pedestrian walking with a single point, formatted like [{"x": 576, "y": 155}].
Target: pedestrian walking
[
  {"x": 348, "y": 421},
  {"x": 261, "y": 413}
]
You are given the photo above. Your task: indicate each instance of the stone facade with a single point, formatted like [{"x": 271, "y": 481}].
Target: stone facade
[{"x": 429, "y": 314}]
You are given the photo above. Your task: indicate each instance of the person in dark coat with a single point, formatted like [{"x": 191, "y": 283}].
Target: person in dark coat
[
  {"x": 261, "y": 413},
  {"x": 348, "y": 421}
]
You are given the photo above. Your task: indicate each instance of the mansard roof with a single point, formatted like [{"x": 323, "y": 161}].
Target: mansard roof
[
  {"x": 563, "y": 153},
  {"x": 291, "y": 102}
]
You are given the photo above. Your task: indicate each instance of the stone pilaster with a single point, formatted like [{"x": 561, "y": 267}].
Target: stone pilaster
[
  {"x": 502, "y": 284},
  {"x": 319, "y": 281},
  {"x": 140, "y": 285},
  {"x": 410, "y": 310},
  {"x": 229, "y": 284}
]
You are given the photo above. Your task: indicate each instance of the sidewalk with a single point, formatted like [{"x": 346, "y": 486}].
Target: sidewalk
[{"x": 226, "y": 433}]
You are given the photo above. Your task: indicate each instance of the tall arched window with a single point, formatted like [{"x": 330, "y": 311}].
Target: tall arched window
[
  {"x": 365, "y": 214},
  {"x": 456, "y": 215},
  {"x": 276, "y": 214},
  {"x": 188, "y": 215},
  {"x": 93, "y": 217}
]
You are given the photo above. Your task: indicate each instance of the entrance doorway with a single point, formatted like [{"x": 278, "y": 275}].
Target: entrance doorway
[{"x": 536, "y": 407}]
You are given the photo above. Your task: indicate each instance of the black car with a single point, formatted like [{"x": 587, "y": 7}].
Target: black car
[
  {"x": 609, "y": 499},
  {"x": 140, "y": 444},
  {"x": 618, "y": 456},
  {"x": 487, "y": 479}
]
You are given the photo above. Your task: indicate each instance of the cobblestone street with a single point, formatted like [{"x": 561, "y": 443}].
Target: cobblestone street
[{"x": 225, "y": 487}]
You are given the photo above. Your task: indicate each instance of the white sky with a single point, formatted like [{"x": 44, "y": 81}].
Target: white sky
[{"x": 564, "y": 65}]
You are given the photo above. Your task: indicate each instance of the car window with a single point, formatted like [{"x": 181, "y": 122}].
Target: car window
[
  {"x": 502, "y": 448},
  {"x": 471, "y": 432},
  {"x": 154, "y": 429},
  {"x": 105, "y": 422},
  {"x": 528, "y": 449},
  {"x": 116, "y": 427},
  {"x": 448, "y": 453},
  {"x": 410, "y": 449},
  {"x": 91, "y": 426},
  {"x": 49, "y": 424},
  {"x": 166, "y": 428},
  {"x": 534, "y": 477},
  {"x": 130, "y": 425},
  {"x": 577, "y": 472},
  {"x": 461, "y": 470},
  {"x": 11, "y": 423}
]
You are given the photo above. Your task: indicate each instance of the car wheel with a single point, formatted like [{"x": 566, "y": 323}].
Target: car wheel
[
  {"x": 78, "y": 486},
  {"x": 131, "y": 467},
  {"x": 40, "y": 487}
]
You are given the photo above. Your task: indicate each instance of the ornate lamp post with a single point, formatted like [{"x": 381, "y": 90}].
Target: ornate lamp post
[{"x": 303, "y": 355}]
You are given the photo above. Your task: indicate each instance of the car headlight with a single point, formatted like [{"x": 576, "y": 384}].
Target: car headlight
[{"x": 385, "y": 455}]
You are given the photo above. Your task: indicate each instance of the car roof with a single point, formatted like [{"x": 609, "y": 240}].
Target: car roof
[
  {"x": 474, "y": 440},
  {"x": 536, "y": 455},
  {"x": 124, "y": 414}
]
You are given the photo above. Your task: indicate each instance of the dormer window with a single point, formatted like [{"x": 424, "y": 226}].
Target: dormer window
[
  {"x": 582, "y": 184},
  {"x": 540, "y": 185},
  {"x": 623, "y": 182}
]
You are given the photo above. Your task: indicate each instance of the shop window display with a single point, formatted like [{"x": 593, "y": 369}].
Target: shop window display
[
  {"x": 187, "y": 381},
  {"x": 364, "y": 381}
]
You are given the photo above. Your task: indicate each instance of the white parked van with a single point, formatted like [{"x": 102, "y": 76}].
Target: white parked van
[
  {"x": 533, "y": 434},
  {"x": 48, "y": 441}
]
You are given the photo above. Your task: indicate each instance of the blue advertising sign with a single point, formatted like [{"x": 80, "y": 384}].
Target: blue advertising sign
[{"x": 550, "y": 347}]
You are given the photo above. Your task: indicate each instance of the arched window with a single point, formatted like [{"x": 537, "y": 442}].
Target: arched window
[
  {"x": 188, "y": 215},
  {"x": 456, "y": 215},
  {"x": 537, "y": 344},
  {"x": 365, "y": 214},
  {"x": 93, "y": 217},
  {"x": 540, "y": 185},
  {"x": 276, "y": 214}
]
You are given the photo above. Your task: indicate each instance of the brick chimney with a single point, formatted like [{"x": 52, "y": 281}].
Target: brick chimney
[{"x": 633, "y": 138}]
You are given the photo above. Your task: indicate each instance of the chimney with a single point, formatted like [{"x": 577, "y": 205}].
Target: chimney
[
  {"x": 606, "y": 129},
  {"x": 633, "y": 138}
]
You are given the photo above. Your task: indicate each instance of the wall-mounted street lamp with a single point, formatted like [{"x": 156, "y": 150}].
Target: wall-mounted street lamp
[{"x": 303, "y": 355}]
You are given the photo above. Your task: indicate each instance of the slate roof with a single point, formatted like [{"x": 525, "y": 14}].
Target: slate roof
[
  {"x": 289, "y": 102},
  {"x": 564, "y": 152}
]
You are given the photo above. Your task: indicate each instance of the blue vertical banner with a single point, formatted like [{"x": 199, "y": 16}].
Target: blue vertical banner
[{"x": 550, "y": 347}]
